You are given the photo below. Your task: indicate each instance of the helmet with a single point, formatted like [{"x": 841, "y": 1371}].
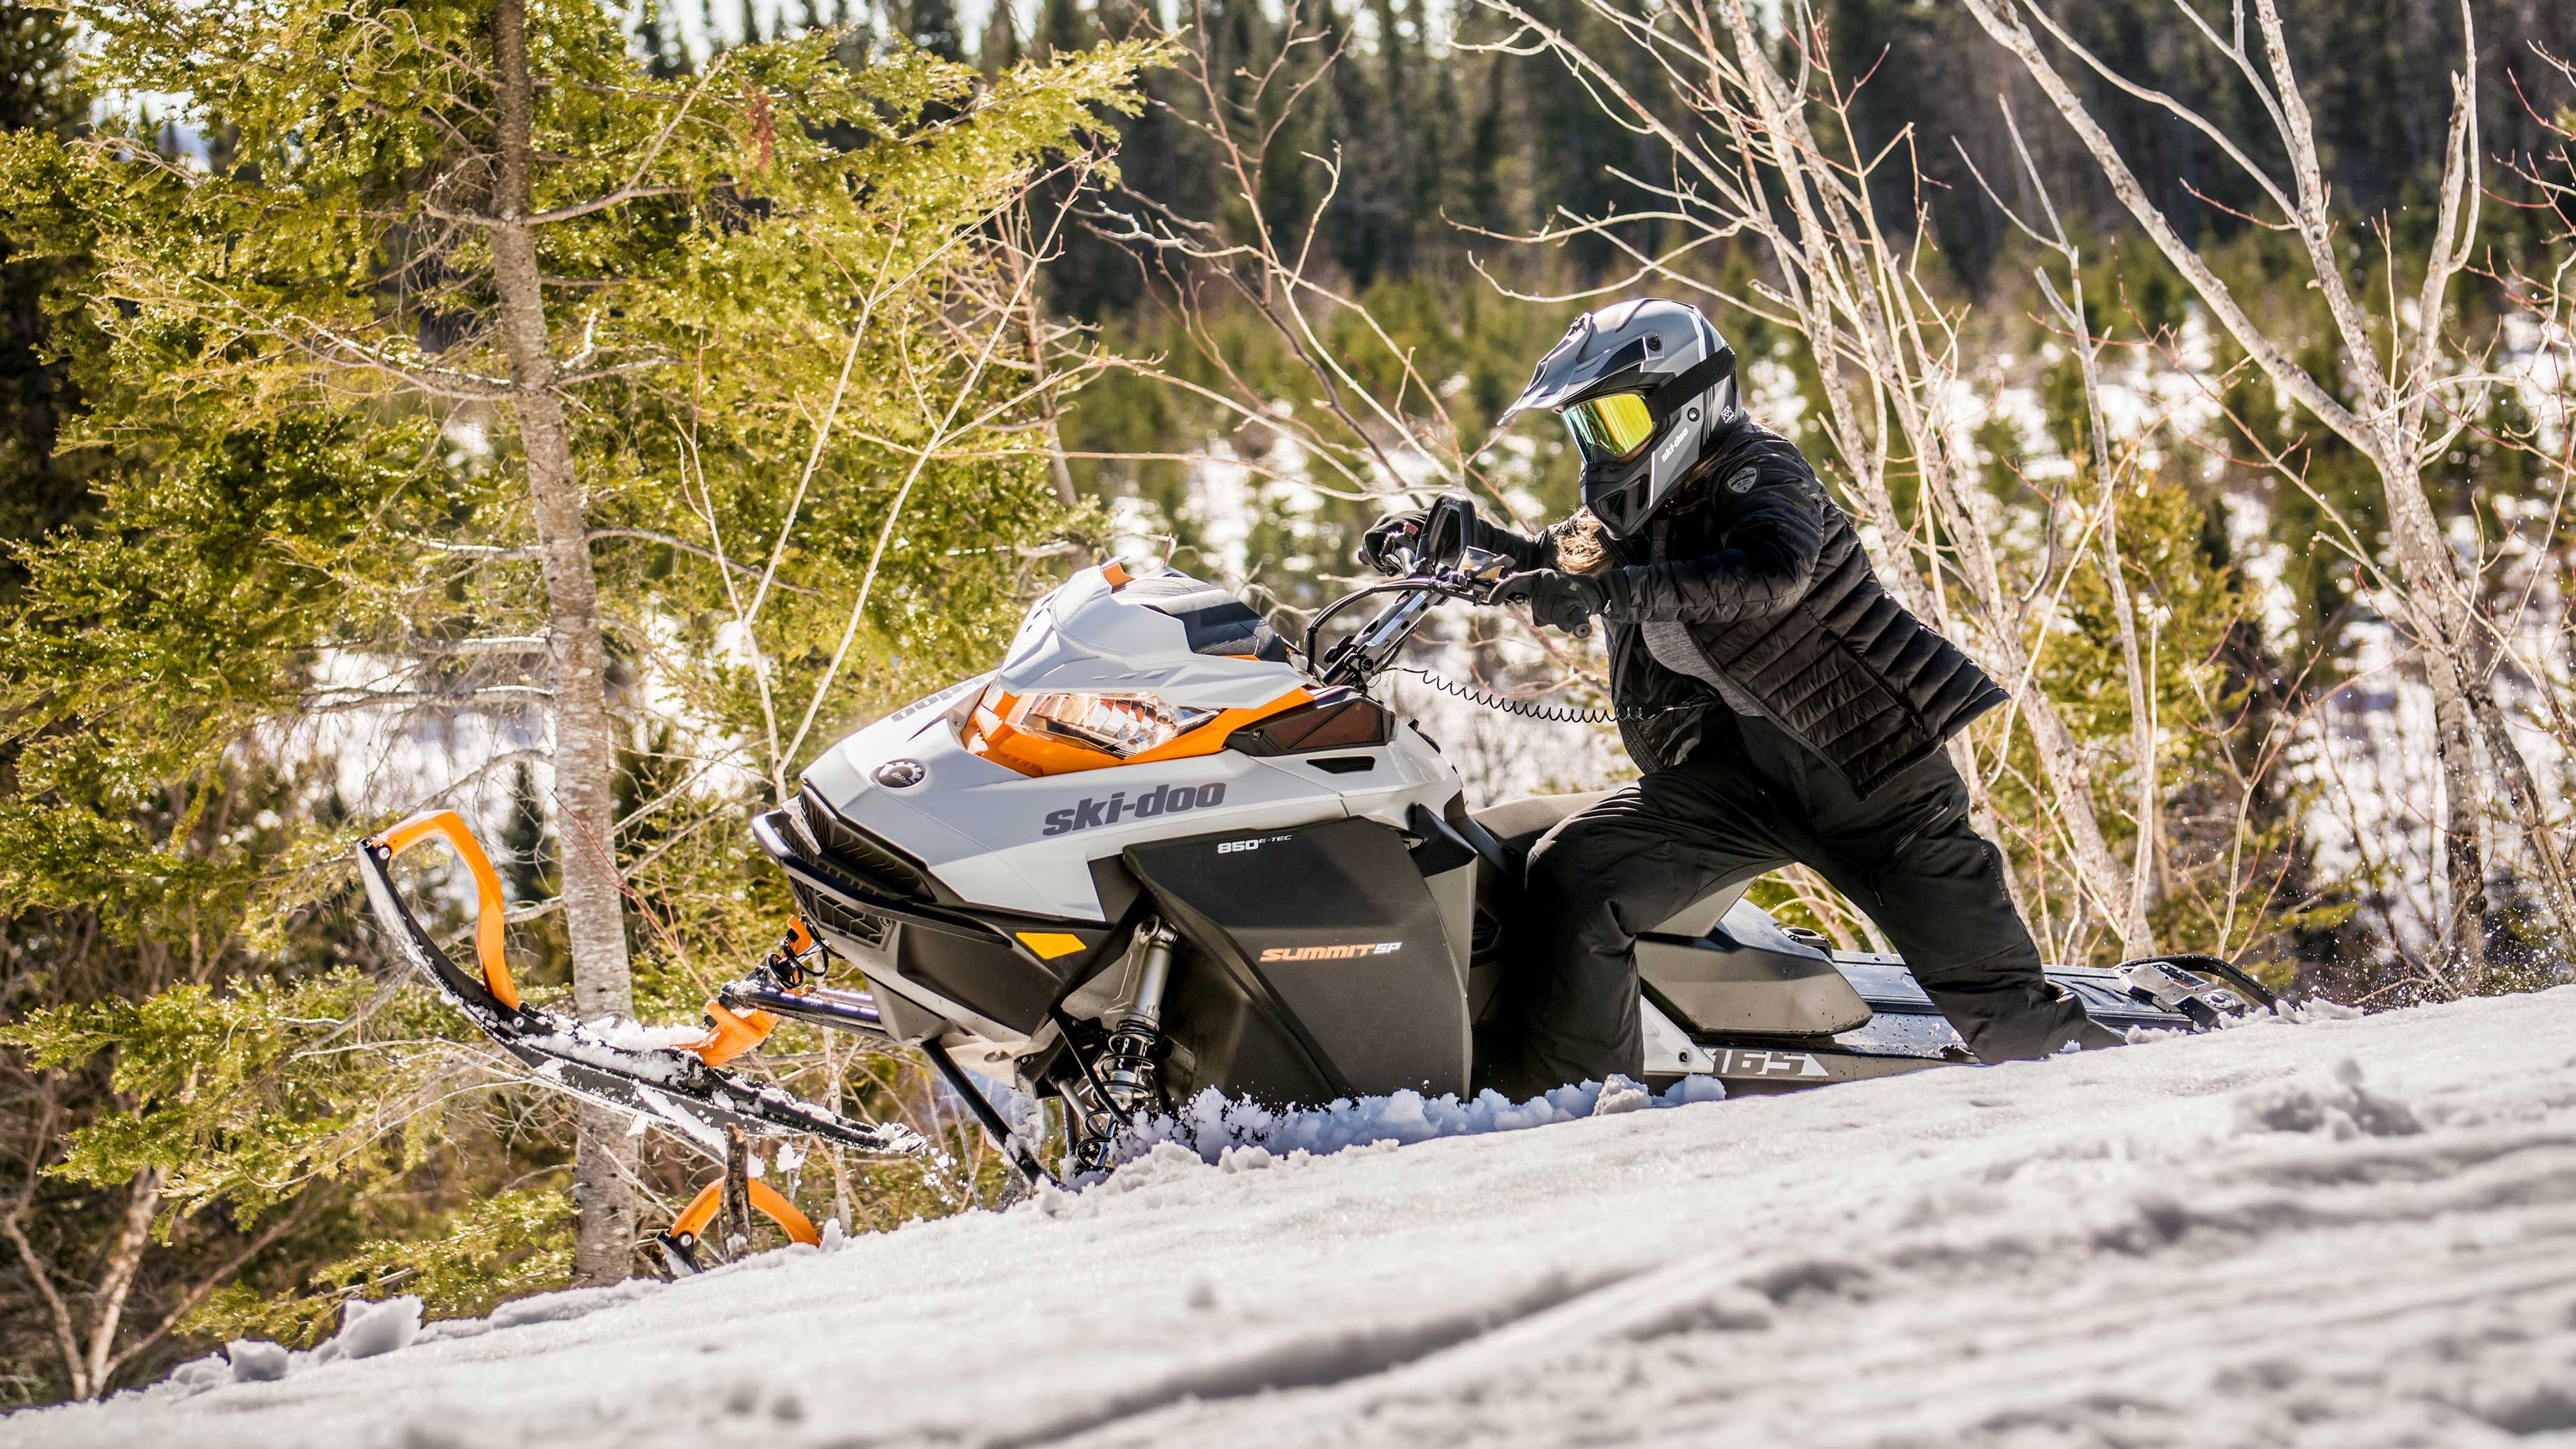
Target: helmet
[{"x": 1643, "y": 385}]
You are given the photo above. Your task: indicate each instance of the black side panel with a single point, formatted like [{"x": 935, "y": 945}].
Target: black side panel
[
  {"x": 1117, "y": 887},
  {"x": 1231, "y": 1042},
  {"x": 1331, "y": 934},
  {"x": 981, "y": 975}
]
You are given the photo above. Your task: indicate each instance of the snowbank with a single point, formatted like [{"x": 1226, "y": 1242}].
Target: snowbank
[
  {"x": 1210, "y": 1124},
  {"x": 2355, "y": 1232}
]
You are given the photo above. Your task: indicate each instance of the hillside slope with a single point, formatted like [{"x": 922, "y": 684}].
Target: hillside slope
[{"x": 2342, "y": 1233}]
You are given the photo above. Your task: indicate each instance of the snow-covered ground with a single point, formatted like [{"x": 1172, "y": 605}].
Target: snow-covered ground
[{"x": 2356, "y": 1232}]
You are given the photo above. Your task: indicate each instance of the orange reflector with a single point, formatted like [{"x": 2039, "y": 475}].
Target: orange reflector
[
  {"x": 1114, "y": 573},
  {"x": 1051, "y": 944}
]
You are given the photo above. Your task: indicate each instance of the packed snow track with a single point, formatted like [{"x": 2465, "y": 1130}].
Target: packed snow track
[{"x": 2347, "y": 1232}]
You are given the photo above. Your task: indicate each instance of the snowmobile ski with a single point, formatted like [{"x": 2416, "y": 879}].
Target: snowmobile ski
[{"x": 677, "y": 1086}]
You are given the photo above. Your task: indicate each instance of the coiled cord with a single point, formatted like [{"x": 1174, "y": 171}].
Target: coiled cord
[{"x": 1526, "y": 709}]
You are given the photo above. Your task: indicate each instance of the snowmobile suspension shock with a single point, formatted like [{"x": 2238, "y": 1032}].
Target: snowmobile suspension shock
[{"x": 1129, "y": 1077}]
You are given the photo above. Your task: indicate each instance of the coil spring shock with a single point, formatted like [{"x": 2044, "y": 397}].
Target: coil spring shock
[{"x": 1127, "y": 1077}]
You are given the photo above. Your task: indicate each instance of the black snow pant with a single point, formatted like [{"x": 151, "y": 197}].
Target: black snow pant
[{"x": 1751, "y": 799}]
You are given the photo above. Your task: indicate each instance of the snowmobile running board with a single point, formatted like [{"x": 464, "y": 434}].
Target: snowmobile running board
[{"x": 679, "y": 1087}]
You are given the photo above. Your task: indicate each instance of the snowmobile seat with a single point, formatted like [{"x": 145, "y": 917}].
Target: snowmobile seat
[{"x": 1517, "y": 825}]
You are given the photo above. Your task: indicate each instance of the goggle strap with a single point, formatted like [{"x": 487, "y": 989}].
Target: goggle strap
[{"x": 1711, "y": 370}]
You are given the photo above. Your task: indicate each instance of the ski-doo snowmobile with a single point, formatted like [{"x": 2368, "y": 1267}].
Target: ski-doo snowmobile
[{"x": 1158, "y": 850}]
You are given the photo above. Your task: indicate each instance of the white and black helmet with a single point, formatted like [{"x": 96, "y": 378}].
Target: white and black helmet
[{"x": 1643, "y": 386}]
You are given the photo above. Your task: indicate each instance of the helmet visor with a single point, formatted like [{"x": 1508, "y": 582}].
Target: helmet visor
[{"x": 1611, "y": 429}]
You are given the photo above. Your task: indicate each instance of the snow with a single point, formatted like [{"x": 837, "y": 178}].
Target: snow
[
  {"x": 369, "y": 1329},
  {"x": 1210, "y": 1126},
  {"x": 635, "y": 1036},
  {"x": 2347, "y": 1232}
]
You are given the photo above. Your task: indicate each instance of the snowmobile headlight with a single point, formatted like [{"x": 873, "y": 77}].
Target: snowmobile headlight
[{"x": 1124, "y": 725}]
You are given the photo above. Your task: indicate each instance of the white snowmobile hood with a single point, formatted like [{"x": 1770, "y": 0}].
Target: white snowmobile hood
[
  {"x": 1001, "y": 838},
  {"x": 1092, "y": 635}
]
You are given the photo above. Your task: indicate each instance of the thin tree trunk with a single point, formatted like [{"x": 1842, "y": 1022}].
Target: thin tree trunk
[
  {"x": 2447, "y": 635},
  {"x": 59, "y": 1313},
  {"x": 1013, "y": 248},
  {"x": 116, "y": 1277},
  {"x": 585, "y": 756},
  {"x": 2463, "y": 945},
  {"x": 2137, "y": 939}
]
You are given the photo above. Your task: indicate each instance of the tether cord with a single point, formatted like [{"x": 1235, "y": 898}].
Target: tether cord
[{"x": 1548, "y": 713}]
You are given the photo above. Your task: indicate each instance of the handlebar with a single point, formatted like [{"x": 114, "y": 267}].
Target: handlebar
[
  {"x": 1373, "y": 646},
  {"x": 1436, "y": 563}
]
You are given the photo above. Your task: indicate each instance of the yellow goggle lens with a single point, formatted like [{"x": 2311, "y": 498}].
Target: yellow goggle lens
[{"x": 1613, "y": 427}]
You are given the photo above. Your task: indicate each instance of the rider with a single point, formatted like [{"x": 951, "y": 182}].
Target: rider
[{"x": 1779, "y": 703}]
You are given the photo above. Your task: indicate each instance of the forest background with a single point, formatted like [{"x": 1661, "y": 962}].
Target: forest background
[{"x": 1215, "y": 299}]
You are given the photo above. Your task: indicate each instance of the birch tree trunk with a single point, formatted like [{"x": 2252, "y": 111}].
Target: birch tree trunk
[{"x": 585, "y": 745}]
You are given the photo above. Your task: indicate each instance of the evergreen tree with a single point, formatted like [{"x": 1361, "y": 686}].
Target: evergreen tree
[{"x": 441, "y": 414}]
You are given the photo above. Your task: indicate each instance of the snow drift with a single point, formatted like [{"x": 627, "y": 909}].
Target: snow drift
[{"x": 2350, "y": 1232}]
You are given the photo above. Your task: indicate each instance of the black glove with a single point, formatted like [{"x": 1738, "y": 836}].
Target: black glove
[
  {"x": 1558, "y": 600},
  {"x": 1392, "y": 530}
]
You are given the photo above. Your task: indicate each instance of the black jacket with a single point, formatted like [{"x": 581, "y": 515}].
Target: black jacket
[{"x": 1769, "y": 575}]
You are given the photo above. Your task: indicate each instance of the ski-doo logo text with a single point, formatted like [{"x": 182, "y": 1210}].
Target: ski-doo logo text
[
  {"x": 1087, "y": 812},
  {"x": 1331, "y": 953}
]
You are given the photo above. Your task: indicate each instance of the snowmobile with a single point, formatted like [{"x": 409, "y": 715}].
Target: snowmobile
[{"x": 1157, "y": 851}]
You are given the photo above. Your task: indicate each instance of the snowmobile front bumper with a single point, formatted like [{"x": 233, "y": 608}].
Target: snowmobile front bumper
[{"x": 677, "y": 1087}]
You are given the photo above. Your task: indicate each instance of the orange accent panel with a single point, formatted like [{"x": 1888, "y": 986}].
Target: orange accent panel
[
  {"x": 799, "y": 939},
  {"x": 1115, "y": 574},
  {"x": 1038, "y": 756},
  {"x": 765, "y": 1200},
  {"x": 447, "y": 825},
  {"x": 1047, "y": 945},
  {"x": 730, "y": 1035}
]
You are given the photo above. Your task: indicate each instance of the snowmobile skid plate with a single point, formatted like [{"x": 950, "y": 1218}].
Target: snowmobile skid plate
[{"x": 671, "y": 1086}]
